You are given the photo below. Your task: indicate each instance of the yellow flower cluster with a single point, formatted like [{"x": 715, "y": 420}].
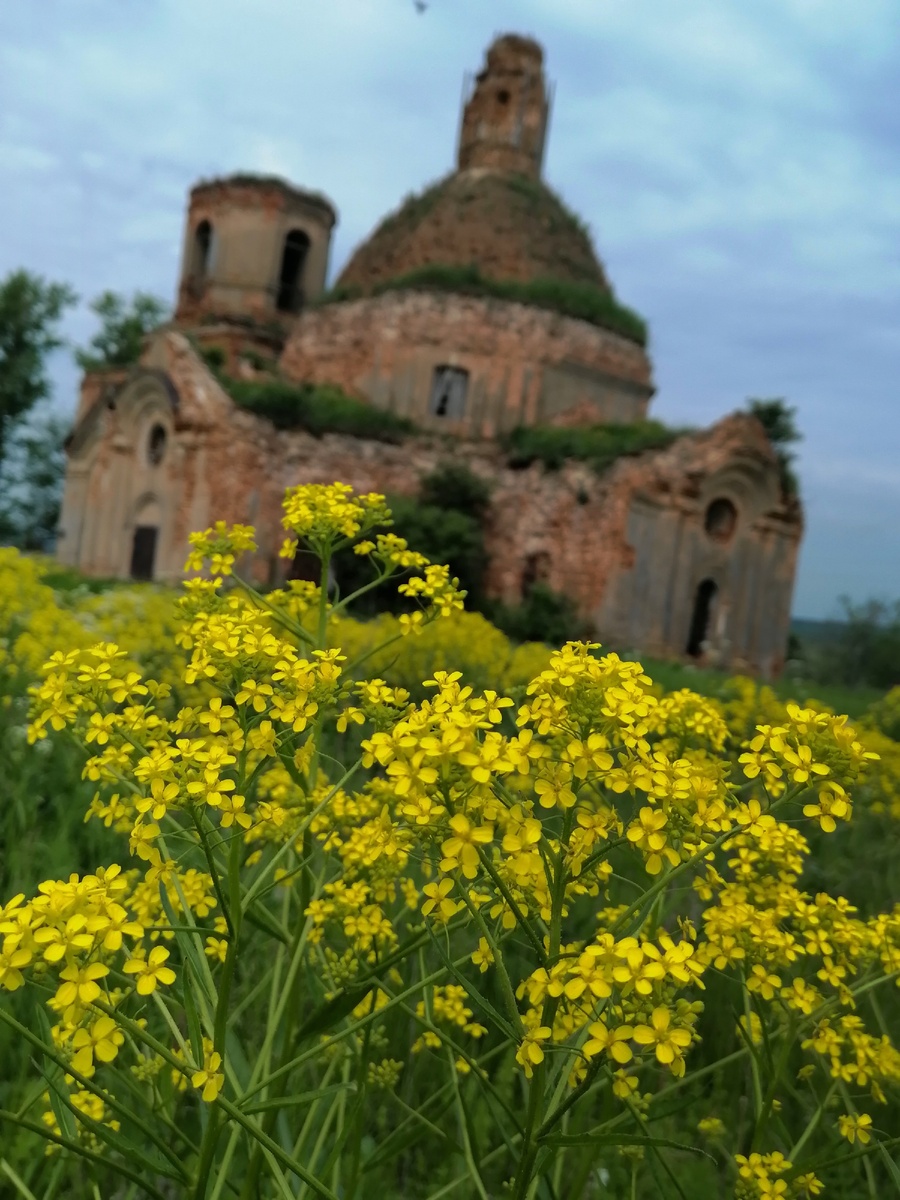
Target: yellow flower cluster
[
  {"x": 555, "y": 872},
  {"x": 32, "y": 622},
  {"x": 219, "y": 547},
  {"x": 760, "y": 1177},
  {"x": 324, "y": 514}
]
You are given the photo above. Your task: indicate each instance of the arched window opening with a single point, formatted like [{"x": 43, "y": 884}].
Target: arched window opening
[
  {"x": 503, "y": 96},
  {"x": 143, "y": 551},
  {"x": 203, "y": 252},
  {"x": 156, "y": 445},
  {"x": 721, "y": 520},
  {"x": 448, "y": 392},
  {"x": 293, "y": 258},
  {"x": 703, "y": 602}
]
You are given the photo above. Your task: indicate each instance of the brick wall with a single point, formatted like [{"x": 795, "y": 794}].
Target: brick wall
[{"x": 385, "y": 349}]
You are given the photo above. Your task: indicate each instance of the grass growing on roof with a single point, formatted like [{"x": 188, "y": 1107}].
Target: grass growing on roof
[
  {"x": 599, "y": 445},
  {"x": 316, "y": 408}
]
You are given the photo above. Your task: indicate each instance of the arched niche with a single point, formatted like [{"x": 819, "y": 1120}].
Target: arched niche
[
  {"x": 749, "y": 483},
  {"x": 720, "y": 520}
]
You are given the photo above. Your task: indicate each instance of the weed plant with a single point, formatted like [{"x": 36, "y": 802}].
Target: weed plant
[{"x": 563, "y": 937}]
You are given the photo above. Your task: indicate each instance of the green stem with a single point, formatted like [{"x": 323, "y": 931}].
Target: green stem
[
  {"x": 464, "y": 1132},
  {"x": 108, "y": 1099},
  {"x": 280, "y": 615},
  {"x": 811, "y": 1126},
  {"x": 529, "y": 1146},
  {"x": 505, "y": 983},
  {"x": 520, "y": 917}
]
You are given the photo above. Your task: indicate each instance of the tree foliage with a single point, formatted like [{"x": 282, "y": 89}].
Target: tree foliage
[
  {"x": 30, "y": 311},
  {"x": 867, "y": 651},
  {"x": 541, "y": 616},
  {"x": 861, "y": 649},
  {"x": 31, "y": 481},
  {"x": 453, "y": 485},
  {"x": 779, "y": 419},
  {"x": 443, "y": 522},
  {"x": 123, "y": 326}
]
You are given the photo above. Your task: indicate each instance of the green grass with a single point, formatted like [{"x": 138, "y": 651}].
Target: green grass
[
  {"x": 710, "y": 682},
  {"x": 318, "y": 409},
  {"x": 68, "y": 579},
  {"x": 598, "y": 445}
]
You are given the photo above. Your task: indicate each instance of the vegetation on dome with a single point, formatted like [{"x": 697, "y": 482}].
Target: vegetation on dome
[
  {"x": 598, "y": 445},
  {"x": 532, "y": 195},
  {"x": 315, "y": 408},
  {"x": 583, "y": 301}
]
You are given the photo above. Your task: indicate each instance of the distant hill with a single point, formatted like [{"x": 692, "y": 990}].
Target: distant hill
[{"x": 816, "y": 632}]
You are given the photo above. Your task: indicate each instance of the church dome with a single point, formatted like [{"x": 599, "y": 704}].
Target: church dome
[{"x": 509, "y": 227}]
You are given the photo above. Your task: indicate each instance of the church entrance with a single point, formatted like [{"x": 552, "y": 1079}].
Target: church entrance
[
  {"x": 143, "y": 551},
  {"x": 703, "y": 602}
]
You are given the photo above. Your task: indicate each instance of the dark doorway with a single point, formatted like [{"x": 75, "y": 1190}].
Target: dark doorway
[
  {"x": 293, "y": 258},
  {"x": 706, "y": 593},
  {"x": 143, "y": 551}
]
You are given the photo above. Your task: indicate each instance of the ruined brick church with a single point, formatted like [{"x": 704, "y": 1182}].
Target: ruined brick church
[{"x": 686, "y": 551}]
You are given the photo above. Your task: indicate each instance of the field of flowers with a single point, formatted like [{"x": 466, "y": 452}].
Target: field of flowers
[{"x": 296, "y": 905}]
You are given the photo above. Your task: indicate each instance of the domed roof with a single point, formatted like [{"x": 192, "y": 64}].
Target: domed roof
[{"x": 508, "y": 226}]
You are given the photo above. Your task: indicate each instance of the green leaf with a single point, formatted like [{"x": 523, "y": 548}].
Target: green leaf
[
  {"x": 259, "y": 915},
  {"x": 333, "y": 1012},
  {"x": 75, "y": 1147},
  {"x": 403, "y": 1137},
  {"x": 18, "y": 1183},
  {"x": 190, "y": 1008},
  {"x": 890, "y": 1165},
  {"x": 55, "y": 1080},
  {"x": 472, "y": 992},
  {"x": 302, "y": 1098}
]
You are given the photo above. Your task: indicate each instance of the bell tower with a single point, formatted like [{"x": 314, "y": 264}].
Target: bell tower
[
  {"x": 255, "y": 249},
  {"x": 504, "y": 121}
]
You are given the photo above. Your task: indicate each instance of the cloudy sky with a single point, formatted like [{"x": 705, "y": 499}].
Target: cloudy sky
[{"x": 738, "y": 162}]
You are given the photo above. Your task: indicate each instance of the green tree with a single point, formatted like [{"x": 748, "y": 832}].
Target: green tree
[
  {"x": 541, "y": 616},
  {"x": 867, "y": 650},
  {"x": 30, "y": 311},
  {"x": 31, "y": 482},
  {"x": 123, "y": 326},
  {"x": 779, "y": 419},
  {"x": 453, "y": 485}
]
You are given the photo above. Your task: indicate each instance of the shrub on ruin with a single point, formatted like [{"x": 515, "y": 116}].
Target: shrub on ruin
[{"x": 598, "y": 445}]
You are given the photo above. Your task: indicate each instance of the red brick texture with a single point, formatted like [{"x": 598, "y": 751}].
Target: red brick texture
[
  {"x": 628, "y": 547},
  {"x": 386, "y": 348}
]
